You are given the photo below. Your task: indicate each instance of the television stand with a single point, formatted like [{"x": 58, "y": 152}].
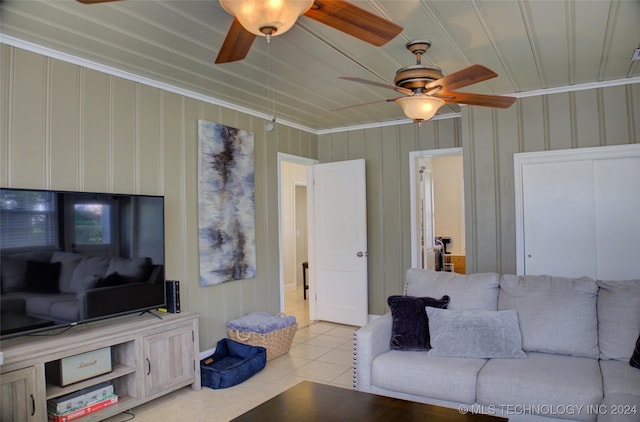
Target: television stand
[
  {"x": 150, "y": 357},
  {"x": 150, "y": 311}
]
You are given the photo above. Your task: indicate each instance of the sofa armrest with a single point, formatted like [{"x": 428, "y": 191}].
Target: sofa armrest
[
  {"x": 111, "y": 300},
  {"x": 369, "y": 341}
]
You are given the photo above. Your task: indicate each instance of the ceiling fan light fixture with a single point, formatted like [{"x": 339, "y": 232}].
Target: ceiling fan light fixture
[
  {"x": 420, "y": 107},
  {"x": 266, "y": 17}
]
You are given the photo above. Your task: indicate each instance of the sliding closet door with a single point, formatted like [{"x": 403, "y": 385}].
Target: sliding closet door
[
  {"x": 558, "y": 203},
  {"x": 617, "y": 212},
  {"x": 576, "y": 212}
]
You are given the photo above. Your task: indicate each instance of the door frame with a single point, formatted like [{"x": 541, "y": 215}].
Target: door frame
[
  {"x": 413, "y": 155},
  {"x": 284, "y": 157}
]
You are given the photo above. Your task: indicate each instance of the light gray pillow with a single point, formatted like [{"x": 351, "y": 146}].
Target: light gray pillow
[{"x": 474, "y": 333}]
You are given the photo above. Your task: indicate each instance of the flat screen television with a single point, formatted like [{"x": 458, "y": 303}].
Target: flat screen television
[{"x": 73, "y": 257}]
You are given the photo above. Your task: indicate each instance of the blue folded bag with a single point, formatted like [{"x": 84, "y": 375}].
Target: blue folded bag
[{"x": 231, "y": 364}]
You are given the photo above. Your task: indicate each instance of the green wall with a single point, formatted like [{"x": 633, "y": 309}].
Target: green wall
[
  {"x": 67, "y": 127},
  {"x": 489, "y": 138},
  {"x": 72, "y": 128}
]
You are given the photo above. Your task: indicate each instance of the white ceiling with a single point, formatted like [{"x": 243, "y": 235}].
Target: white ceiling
[{"x": 532, "y": 45}]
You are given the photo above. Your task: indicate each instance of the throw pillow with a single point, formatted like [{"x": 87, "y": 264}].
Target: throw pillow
[
  {"x": 131, "y": 269},
  {"x": 475, "y": 333},
  {"x": 113, "y": 279},
  {"x": 410, "y": 326},
  {"x": 42, "y": 277},
  {"x": 635, "y": 358},
  {"x": 89, "y": 266},
  {"x": 89, "y": 282},
  {"x": 69, "y": 262}
]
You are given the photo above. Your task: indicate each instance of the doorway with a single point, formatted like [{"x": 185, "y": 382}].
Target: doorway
[
  {"x": 437, "y": 210},
  {"x": 292, "y": 210}
]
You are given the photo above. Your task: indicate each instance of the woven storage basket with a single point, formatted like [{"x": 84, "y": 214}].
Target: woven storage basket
[{"x": 277, "y": 342}]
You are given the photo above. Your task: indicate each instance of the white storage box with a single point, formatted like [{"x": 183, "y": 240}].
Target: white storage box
[{"x": 79, "y": 367}]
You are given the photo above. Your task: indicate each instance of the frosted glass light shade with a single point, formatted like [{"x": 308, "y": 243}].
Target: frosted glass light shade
[
  {"x": 262, "y": 17},
  {"x": 420, "y": 107}
]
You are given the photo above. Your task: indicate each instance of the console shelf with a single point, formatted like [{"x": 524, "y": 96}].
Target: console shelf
[
  {"x": 119, "y": 370},
  {"x": 140, "y": 370}
]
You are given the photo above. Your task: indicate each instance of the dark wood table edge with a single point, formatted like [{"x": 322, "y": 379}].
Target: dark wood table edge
[{"x": 334, "y": 403}]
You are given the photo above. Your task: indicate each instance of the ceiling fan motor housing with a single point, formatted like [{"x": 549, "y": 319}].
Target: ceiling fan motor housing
[{"x": 417, "y": 76}]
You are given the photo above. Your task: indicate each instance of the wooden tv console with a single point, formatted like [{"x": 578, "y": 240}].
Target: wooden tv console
[{"x": 150, "y": 357}]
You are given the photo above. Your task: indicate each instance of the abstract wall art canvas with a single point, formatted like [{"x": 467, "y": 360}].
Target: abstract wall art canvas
[{"x": 226, "y": 204}]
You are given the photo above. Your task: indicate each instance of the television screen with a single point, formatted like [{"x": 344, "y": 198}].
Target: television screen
[{"x": 71, "y": 257}]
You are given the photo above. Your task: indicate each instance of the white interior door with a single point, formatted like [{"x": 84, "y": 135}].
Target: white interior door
[{"x": 338, "y": 287}]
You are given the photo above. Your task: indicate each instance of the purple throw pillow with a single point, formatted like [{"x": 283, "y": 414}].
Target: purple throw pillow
[
  {"x": 410, "y": 326},
  {"x": 635, "y": 358}
]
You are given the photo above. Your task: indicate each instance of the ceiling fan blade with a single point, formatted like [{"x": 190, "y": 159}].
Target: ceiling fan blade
[
  {"x": 236, "y": 44},
  {"x": 354, "y": 21},
  {"x": 378, "y": 84},
  {"x": 476, "y": 99},
  {"x": 465, "y": 77},
  {"x": 388, "y": 100}
]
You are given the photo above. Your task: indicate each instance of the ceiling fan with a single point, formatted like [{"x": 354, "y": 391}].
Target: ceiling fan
[
  {"x": 426, "y": 89},
  {"x": 274, "y": 17}
]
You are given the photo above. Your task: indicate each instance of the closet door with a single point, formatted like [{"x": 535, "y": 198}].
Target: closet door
[
  {"x": 558, "y": 205},
  {"x": 576, "y": 212},
  {"x": 617, "y": 213}
]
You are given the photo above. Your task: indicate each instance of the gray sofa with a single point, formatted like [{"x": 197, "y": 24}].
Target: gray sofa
[
  {"x": 577, "y": 336},
  {"x": 66, "y": 287}
]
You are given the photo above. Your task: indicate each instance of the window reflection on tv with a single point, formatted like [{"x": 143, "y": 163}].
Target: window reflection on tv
[{"x": 70, "y": 257}]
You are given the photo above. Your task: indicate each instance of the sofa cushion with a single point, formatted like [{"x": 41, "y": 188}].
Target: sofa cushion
[
  {"x": 621, "y": 386},
  {"x": 40, "y": 304},
  {"x": 410, "y": 327},
  {"x": 471, "y": 291},
  {"x": 618, "y": 318},
  {"x": 89, "y": 266},
  {"x": 475, "y": 333},
  {"x": 541, "y": 381},
  {"x": 417, "y": 373},
  {"x": 69, "y": 262},
  {"x": 42, "y": 277},
  {"x": 557, "y": 314},
  {"x": 619, "y": 407},
  {"x": 619, "y": 377},
  {"x": 65, "y": 311},
  {"x": 131, "y": 269}
]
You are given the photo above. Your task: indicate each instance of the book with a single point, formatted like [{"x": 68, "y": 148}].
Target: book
[
  {"x": 80, "y": 398},
  {"x": 83, "y": 411}
]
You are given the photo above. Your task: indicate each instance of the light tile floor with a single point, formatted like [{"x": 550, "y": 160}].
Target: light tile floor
[{"x": 321, "y": 352}]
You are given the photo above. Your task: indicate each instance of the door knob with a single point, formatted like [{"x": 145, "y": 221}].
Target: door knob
[{"x": 360, "y": 254}]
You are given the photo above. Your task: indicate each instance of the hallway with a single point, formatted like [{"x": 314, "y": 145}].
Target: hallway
[{"x": 294, "y": 304}]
